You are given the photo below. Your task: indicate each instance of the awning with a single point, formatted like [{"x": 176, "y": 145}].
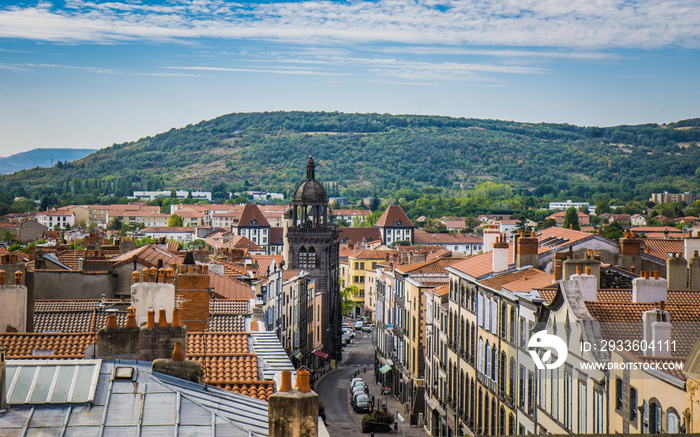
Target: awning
[
  {"x": 384, "y": 368},
  {"x": 435, "y": 406},
  {"x": 321, "y": 354},
  {"x": 298, "y": 356},
  {"x": 382, "y": 361}
]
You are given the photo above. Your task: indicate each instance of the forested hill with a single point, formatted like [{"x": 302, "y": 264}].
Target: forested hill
[{"x": 367, "y": 152}]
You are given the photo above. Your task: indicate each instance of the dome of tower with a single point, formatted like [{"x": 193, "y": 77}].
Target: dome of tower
[{"x": 310, "y": 190}]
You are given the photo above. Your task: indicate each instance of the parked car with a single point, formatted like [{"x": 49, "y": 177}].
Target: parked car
[
  {"x": 354, "y": 380},
  {"x": 361, "y": 403},
  {"x": 358, "y": 384},
  {"x": 367, "y": 328},
  {"x": 359, "y": 388},
  {"x": 359, "y": 324}
]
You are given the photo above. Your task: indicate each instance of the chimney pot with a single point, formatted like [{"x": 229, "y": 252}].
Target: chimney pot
[
  {"x": 2, "y": 277},
  {"x": 112, "y": 321},
  {"x": 136, "y": 276},
  {"x": 578, "y": 269},
  {"x": 178, "y": 353},
  {"x": 151, "y": 320},
  {"x": 161, "y": 275},
  {"x": 146, "y": 274},
  {"x": 18, "y": 277},
  {"x": 131, "y": 318},
  {"x": 154, "y": 274},
  {"x": 286, "y": 384},
  {"x": 303, "y": 381},
  {"x": 162, "y": 322},
  {"x": 177, "y": 318},
  {"x": 169, "y": 275},
  {"x": 588, "y": 270}
]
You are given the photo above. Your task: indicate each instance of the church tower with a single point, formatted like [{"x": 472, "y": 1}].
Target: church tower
[{"x": 311, "y": 244}]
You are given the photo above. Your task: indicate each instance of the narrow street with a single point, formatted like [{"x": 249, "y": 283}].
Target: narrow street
[{"x": 333, "y": 393}]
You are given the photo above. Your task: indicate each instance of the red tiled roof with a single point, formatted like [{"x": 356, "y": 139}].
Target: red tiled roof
[
  {"x": 232, "y": 270},
  {"x": 431, "y": 266},
  {"x": 252, "y": 212},
  {"x": 229, "y": 288},
  {"x": 264, "y": 262},
  {"x": 623, "y": 321},
  {"x": 149, "y": 255},
  {"x": 422, "y": 237},
  {"x": 372, "y": 254},
  {"x": 359, "y": 235},
  {"x": 393, "y": 214},
  {"x": 661, "y": 247},
  {"x": 25, "y": 345},
  {"x": 523, "y": 280},
  {"x": 442, "y": 290}
]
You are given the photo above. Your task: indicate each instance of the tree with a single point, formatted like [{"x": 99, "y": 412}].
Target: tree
[
  {"x": 571, "y": 219},
  {"x": 175, "y": 221},
  {"x": 347, "y": 294},
  {"x": 115, "y": 224},
  {"x": 602, "y": 208}
]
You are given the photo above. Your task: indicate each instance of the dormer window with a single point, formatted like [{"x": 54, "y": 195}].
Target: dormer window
[
  {"x": 253, "y": 222},
  {"x": 398, "y": 223}
]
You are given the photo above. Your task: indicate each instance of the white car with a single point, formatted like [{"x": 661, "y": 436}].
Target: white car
[{"x": 359, "y": 324}]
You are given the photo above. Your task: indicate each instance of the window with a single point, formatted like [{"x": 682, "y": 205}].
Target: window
[
  {"x": 618, "y": 394},
  {"x": 582, "y": 406},
  {"x": 655, "y": 413},
  {"x": 672, "y": 421},
  {"x": 633, "y": 403}
]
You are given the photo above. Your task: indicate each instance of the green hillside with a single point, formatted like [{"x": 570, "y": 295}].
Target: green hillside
[{"x": 357, "y": 154}]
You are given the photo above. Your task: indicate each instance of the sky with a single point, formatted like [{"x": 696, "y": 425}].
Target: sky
[{"x": 88, "y": 74}]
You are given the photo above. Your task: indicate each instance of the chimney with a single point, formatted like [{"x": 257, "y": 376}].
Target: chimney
[
  {"x": 177, "y": 366},
  {"x": 677, "y": 272},
  {"x": 3, "y": 386},
  {"x": 148, "y": 293},
  {"x": 647, "y": 289},
  {"x": 491, "y": 235},
  {"x": 193, "y": 286},
  {"x": 291, "y": 412},
  {"x": 691, "y": 244},
  {"x": 630, "y": 244},
  {"x": 589, "y": 265},
  {"x": 115, "y": 342},
  {"x": 526, "y": 251},
  {"x": 694, "y": 271},
  {"x": 587, "y": 283},
  {"x": 657, "y": 331},
  {"x": 559, "y": 258},
  {"x": 500, "y": 254},
  {"x": 17, "y": 305}
]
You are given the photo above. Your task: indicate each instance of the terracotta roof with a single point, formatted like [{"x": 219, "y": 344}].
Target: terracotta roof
[
  {"x": 226, "y": 323},
  {"x": 232, "y": 270},
  {"x": 441, "y": 290},
  {"x": 76, "y": 315},
  {"x": 214, "y": 343},
  {"x": 422, "y": 237},
  {"x": 372, "y": 254},
  {"x": 149, "y": 255},
  {"x": 392, "y": 215},
  {"x": 548, "y": 293},
  {"x": 623, "y": 321},
  {"x": 431, "y": 266},
  {"x": 252, "y": 212},
  {"x": 680, "y": 297},
  {"x": 661, "y": 247},
  {"x": 229, "y": 288},
  {"x": 475, "y": 266},
  {"x": 226, "y": 306},
  {"x": 264, "y": 262},
  {"x": 25, "y": 345},
  {"x": 170, "y": 229},
  {"x": 70, "y": 258},
  {"x": 290, "y": 273},
  {"x": 523, "y": 280},
  {"x": 645, "y": 229},
  {"x": 359, "y": 235}
]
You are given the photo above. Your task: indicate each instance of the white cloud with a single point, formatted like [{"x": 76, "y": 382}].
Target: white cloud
[{"x": 571, "y": 24}]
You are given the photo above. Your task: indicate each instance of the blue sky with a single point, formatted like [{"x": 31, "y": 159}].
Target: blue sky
[{"x": 92, "y": 73}]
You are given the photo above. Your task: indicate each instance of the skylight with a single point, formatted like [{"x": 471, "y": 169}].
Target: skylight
[{"x": 51, "y": 381}]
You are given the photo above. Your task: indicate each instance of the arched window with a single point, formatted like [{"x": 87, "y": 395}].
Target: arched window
[
  {"x": 307, "y": 259},
  {"x": 655, "y": 414},
  {"x": 672, "y": 421},
  {"x": 511, "y": 378}
]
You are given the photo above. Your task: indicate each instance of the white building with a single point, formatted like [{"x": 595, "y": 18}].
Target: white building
[
  {"x": 180, "y": 194},
  {"x": 64, "y": 219}
]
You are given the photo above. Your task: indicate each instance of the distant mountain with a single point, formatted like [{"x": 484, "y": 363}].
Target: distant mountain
[
  {"x": 359, "y": 154},
  {"x": 40, "y": 158}
]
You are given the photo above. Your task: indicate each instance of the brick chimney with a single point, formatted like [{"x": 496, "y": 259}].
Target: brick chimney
[
  {"x": 292, "y": 412},
  {"x": 677, "y": 272},
  {"x": 526, "y": 250},
  {"x": 559, "y": 258},
  {"x": 646, "y": 289},
  {"x": 657, "y": 331},
  {"x": 500, "y": 254},
  {"x": 193, "y": 285},
  {"x": 586, "y": 264}
]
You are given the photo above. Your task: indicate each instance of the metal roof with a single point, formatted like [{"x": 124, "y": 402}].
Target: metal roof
[
  {"x": 135, "y": 402},
  {"x": 269, "y": 349}
]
